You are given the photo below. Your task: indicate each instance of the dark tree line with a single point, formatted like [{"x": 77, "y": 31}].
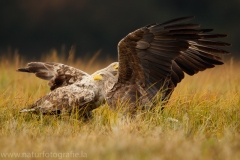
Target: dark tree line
[{"x": 35, "y": 27}]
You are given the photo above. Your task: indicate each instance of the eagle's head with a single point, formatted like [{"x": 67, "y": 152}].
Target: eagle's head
[{"x": 112, "y": 68}]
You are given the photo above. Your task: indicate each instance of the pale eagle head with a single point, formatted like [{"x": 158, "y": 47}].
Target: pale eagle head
[{"x": 112, "y": 68}]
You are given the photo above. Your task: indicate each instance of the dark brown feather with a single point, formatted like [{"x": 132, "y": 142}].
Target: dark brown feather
[
  {"x": 181, "y": 26},
  {"x": 206, "y": 42}
]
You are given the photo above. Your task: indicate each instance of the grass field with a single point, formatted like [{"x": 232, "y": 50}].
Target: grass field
[{"x": 201, "y": 121}]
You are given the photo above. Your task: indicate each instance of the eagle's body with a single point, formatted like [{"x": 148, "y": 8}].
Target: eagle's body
[
  {"x": 151, "y": 59},
  {"x": 67, "y": 97}
]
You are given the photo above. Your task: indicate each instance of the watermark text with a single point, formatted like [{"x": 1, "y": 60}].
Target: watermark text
[{"x": 44, "y": 154}]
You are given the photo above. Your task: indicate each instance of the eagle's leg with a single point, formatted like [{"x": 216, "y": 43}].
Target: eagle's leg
[
  {"x": 87, "y": 116},
  {"x": 84, "y": 112}
]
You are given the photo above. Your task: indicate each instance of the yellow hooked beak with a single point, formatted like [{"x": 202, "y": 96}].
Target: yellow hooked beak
[
  {"x": 97, "y": 77},
  {"x": 115, "y": 66}
]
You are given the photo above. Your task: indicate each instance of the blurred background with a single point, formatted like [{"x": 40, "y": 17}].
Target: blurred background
[{"x": 33, "y": 28}]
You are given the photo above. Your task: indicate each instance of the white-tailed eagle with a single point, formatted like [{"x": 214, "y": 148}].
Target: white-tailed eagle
[
  {"x": 71, "y": 87},
  {"x": 155, "y": 57}
]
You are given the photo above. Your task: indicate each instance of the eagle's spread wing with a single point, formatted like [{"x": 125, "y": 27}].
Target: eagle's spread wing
[
  {"x": 156, "y": 56},
  {"x": 65, "y": 98},
  {"x": 57, "y": 74}
]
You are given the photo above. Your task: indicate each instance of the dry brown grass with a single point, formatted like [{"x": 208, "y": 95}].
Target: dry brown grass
[{"x": 201, "y": 121}]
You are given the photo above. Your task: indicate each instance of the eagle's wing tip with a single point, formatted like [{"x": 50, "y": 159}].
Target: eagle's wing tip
[{"x": 22, "y": 70}]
